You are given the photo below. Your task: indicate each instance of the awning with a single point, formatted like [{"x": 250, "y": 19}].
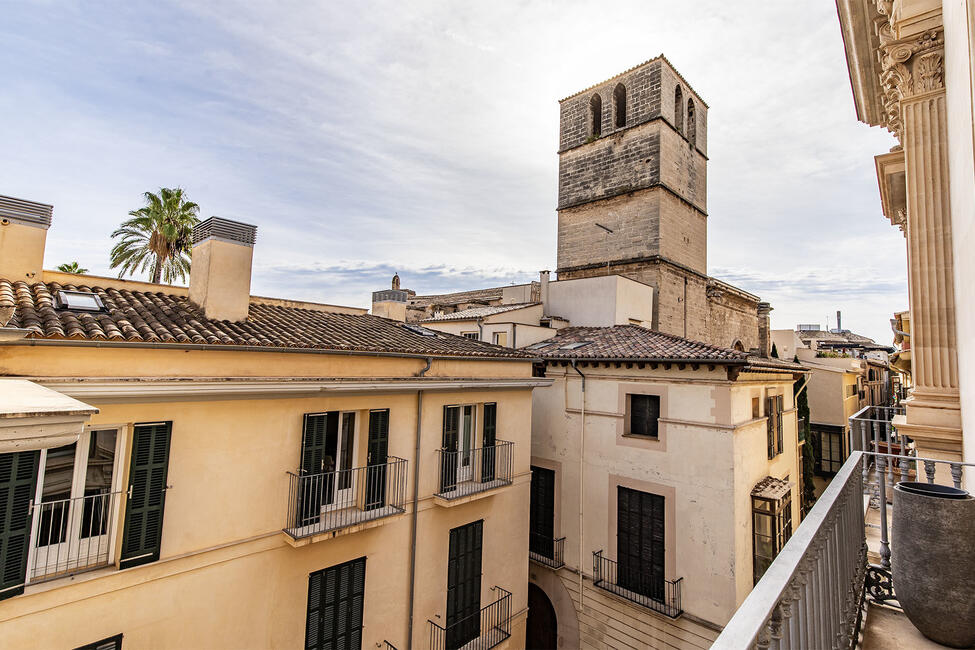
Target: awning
[{"x": 35, "y": 417}]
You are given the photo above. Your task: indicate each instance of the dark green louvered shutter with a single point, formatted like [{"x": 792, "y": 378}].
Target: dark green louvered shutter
[
  {"x": 770, "y": 425},
  {"x": 640, "y": 542},
  {"x": 464, "y": 584},
  {"x": 541, "y": 520},
  {"x": 335, "y": 603},
  {"x": 779, "y": 407},
  {"x": 18, "y": 480},
  {"x": 448, "y": 459},
  {"x": 644, "y": 415},
  {"x": 489, "y": 459},
  {"x": 147, "y": 494},
  {"x": 377, "y": 457}
]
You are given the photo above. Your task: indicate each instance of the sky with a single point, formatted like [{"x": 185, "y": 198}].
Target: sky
[{"x": 368, "y": 138}]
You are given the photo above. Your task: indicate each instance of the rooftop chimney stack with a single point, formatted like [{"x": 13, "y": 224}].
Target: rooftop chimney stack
[
  {"x": 23, "y": 234},
  {"x": 390, "y": 303},
  {"x": 839, "y": 321},
  {"x": 220, "y": 276},
  {"x": 543, "y": 290}
]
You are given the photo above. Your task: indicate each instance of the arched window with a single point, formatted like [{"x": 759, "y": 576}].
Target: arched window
[
  {"x": 619, "y": 102},
  {"x": 596, "y": 114},
  {"x": 679, "y": 109},
  {"x": 737, "y": 346},
  {"x": 691, "y": 122}
]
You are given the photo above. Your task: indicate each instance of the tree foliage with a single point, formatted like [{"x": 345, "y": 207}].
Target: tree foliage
[
  {"x": 72, "y": 267},
  {"x": 157, "y": 237}
]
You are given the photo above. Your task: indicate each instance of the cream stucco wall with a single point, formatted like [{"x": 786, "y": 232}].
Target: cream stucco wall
[
  {"x": 228, "y": 577},
  {"x": 601, "y": 301},
  {"x": 709, "y": 455},
  {"x": 21, "y": 251}
]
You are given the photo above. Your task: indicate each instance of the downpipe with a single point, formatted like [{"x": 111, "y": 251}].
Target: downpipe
[{"x": 582, "y": 487}]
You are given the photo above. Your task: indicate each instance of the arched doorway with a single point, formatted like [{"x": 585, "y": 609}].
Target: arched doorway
[{"x": 542, "y": 624}]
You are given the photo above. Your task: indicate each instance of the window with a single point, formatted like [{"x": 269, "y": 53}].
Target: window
[
  {"x": 470, "y": 335},
  {"x": 595, "y": 115},
  {"x": 756, "y": 408},
  {"x": 78, "y": 301},
  {"x": 500, "y": 338},
  {"x": 771, "y": 529},
  {"x": 643, "y": 415},
  {"x": 640, "y": 542},
  {"x": 458, "y": 445},
  {"x": 111, "y": 643},
  {"x": 679, "y": 110},
  {"x": 541, "y": 526},
  {"x": 828, "y": 442},
  {"x": 464, "y": 584},
  {"x": 691, "y": 123},
  {"x": 575, "y": 346},
  {"x": 327, "y": 452},
  {"x": 773, "y": 411},
  {"x": 335, "y": 601},
  {"x": 619, "y": 104}
]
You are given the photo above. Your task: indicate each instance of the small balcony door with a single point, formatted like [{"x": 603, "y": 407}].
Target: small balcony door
[
  {"x": 75, "y": 505},
  {"x": 541, "y": 510},
  {"x": 640, "y": 542},
  {"x": 458, "y": 440},
  {"x": 378, "y": 457},
  {"x": 327, "y": 457}
]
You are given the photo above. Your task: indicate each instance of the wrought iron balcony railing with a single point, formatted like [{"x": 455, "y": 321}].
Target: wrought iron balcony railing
[
  {"x": 470, "y": 471},
  {"x": 319, "y": 503},
  {"x": 812, "y": 594},
  {"x": 546, "y": 550},
  {"x": 479, "y": 631},
  {"x": 70, "y": 536},
  {"x": 637, "y": 584}
]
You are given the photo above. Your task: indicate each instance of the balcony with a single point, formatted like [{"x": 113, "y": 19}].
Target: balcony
[
  {"x": 480, "y": 631},
  {"x": 70, "y": 536},
  {"x": 546, "y": 551},
  {"x": 345, "y": 500},
  {"x": 469, "y": 472},
  {"x": 638, "y": 586},
  {"x": 831, "y": 585}
]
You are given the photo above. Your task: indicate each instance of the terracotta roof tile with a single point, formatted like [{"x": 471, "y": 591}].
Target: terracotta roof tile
[
  {"x": 632, "y": 342},
  {"x": 480, "y": 312},
  {"x": 157, "y": 317}
]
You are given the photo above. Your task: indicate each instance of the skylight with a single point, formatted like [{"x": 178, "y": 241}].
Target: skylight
[
  {"x": 537, "y": 346},
  {"x": 79, "y": 301},
  {"x": 422, "y": 331},
  {"x": 575, "y": 346}
]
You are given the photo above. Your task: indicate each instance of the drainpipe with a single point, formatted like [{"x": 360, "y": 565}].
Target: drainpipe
[
  {"x": 582, "y": 486},
  {"x": 416, "y": 495}
]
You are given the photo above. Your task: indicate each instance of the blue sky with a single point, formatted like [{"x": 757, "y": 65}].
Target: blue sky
[{"x": 368, "y": 138}]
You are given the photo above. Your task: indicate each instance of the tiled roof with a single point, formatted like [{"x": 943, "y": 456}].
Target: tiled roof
[
  {"x": 478, "y": 295},
  {"x": 481, "y": 312},
  {"x": 158, "y": 317},
  {"x": 632, "y": 342},
  {"x": 772, "y": 488}
]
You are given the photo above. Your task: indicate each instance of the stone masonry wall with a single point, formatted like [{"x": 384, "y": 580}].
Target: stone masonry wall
[{"x": 733, "y": 318}]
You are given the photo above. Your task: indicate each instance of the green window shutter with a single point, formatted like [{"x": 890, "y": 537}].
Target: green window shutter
[
  {"x": 448, "y": 459},
  {"x": 770, "y": 425},
  {"x": 489, "y": 436},
  {"x": 335, "y": 603},
  {"x": 147, "y": 494},
  {"x": 779, "y": 407},
  {"x": 464, "y": 584},
  {"x": 18, "y": 481}
]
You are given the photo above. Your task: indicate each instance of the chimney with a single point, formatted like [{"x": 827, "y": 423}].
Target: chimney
[
  {"x": 764, "y": 345},
  {"x": 220, "y": 275},
  {"x": 839, "y": 321},
  {"x": 23, "y": 233},
  {"x": 390, "y": 303},
  {"x": 543, "y": 281}
]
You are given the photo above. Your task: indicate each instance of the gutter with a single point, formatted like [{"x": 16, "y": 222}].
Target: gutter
[
  {"x": 416, "y": 499},
  {"x": 259, "y": 348},
  {"x": 582, "y": 486}
]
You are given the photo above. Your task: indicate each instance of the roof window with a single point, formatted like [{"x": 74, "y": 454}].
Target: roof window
[
  {"x": 575, "y": 346},
  {"x": 538, "y": 346},
  {"x": 422, "y": 331},
  {"x": 79, "y": 301}
]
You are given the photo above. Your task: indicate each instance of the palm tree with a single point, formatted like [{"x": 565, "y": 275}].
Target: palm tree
[
  {"x": 72, "y": 267},
  {"x": 157, "y": 237}
]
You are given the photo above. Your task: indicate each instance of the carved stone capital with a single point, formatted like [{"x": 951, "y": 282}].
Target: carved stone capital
[{"x": 911, "y": 66}]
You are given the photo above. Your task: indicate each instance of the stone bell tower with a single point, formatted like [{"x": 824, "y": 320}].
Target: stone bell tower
[{"x": 633, "y": 190}]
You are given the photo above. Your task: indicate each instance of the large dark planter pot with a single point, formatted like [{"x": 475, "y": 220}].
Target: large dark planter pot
[{"x": 933, "y": 560}]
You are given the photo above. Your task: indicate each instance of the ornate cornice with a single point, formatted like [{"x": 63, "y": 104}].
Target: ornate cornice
[{"x": 911, "y": 66}]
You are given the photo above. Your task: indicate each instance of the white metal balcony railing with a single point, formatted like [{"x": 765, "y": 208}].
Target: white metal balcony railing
[
  {"x": 813, "y": 593},
  {"x": 69, "y": 536}
]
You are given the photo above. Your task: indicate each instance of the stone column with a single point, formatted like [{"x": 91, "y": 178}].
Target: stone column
[{"x": 914, "y": 86}]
